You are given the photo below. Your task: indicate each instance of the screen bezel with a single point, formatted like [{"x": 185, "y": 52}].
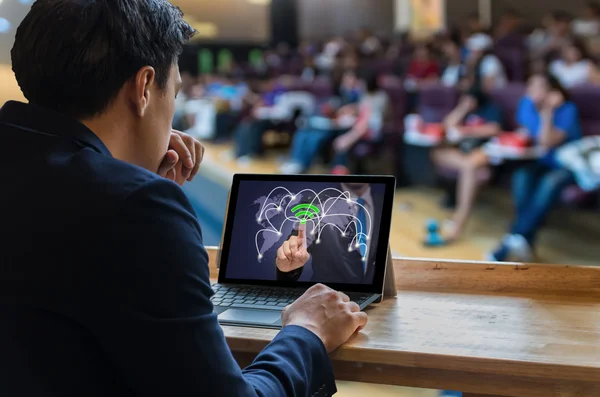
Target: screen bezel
[{"x": 383, "y": 243}]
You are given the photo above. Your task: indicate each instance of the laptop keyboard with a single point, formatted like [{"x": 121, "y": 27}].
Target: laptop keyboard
[{"x": 252, "y": 297}]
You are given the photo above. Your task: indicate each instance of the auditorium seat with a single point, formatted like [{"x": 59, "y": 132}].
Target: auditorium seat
[
  {"x": 435, "y": 102},
  {"x": 321, "y": 88},
  {"x": 394, "y": 87},
  {"x": 587, "y": 98},
  {"x": 508, "y": 98},
  {"x": 514, "y": 60}
]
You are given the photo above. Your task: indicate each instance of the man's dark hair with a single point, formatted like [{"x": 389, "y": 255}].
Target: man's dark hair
[{"x": 74, "y": 56}]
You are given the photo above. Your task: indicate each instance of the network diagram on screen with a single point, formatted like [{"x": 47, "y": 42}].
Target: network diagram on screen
[{"x": 311, "y": 212}]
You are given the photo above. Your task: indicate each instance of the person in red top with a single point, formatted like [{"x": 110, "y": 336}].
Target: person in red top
[{"x": 423, "y": 66}]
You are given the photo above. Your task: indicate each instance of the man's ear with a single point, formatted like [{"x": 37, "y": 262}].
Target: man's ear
[{"x": 143, "y": 81}]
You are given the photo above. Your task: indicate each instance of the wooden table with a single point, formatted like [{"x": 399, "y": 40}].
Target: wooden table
[{"x": 485, "y": 329}]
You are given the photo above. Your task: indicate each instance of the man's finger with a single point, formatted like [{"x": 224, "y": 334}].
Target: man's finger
[
  {"x": 354, "y": 308},
  {"x": 360, "y": 319},
  {"x": 286, "y": 250},
  {"x": 281, "y": 254},
  {"x": 171, "y": 174},
  {"x": 199, "y": 150},
  {"x": 344, "y": 297},
  {"x": 305, "y": 256},
  {"x": 191, "y": 145},
  {"x": 168, "y": 162},
  {"x": 176, "y": 143},
  {"x": 293, "y": 245}
]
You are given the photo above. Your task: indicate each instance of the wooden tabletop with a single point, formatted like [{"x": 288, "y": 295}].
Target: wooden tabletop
[{"x": 488, "y": 329}]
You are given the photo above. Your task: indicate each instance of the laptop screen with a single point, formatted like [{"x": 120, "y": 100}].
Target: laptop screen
[{"x": 307, "y": 231}]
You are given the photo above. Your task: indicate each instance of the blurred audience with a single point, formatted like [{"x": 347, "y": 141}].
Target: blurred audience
[
  {"x": 574, "y": 67},
  {"x": 423, "y": 67},
  {"x": 475, "y": 120},
  {"x": 589, "y": 24},
  {"x": 546, "y": 43},
  {"x": 549, "y": 119},
  {"x": 484, "y": 68},
  {"x": 371, "y": 113},
  {"x": 455, "y": 70},
  {"x": 336, "y": 117},
  {"x": 279, "y": 84}
]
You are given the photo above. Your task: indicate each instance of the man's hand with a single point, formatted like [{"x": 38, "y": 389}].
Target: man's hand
[
  {"x": 328, "y": 314},
  {"x": 183, "y": 158},
  {"x": 292, "y": 255}
]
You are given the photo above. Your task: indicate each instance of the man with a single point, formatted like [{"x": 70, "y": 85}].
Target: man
[
  {"x": 104, "y": 283},
  {"x": 336, "y": 257}
]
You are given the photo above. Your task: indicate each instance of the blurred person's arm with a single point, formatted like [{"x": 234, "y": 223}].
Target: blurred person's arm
[
  {"x": 456, "y": 117},
  {"x": 486, "y": 130},
  {"x": 346, "y": 141},
  {"x": 554, "y": 129},
  {"x": 492, "y": 126}
]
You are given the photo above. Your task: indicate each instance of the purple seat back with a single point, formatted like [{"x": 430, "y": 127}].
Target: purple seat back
[
  {"x": 587, "y": 98},
  {"x": 511, "y": 40},
  {"x": 321, "y": 88},
  {"x": 435, "y": 102},
  {"x": 508, "y": 98},
  {"x": 514, "y": 60},
  {"x": 295, "y": 83},
  {"x": 382, "y": 66},
  {"x": 394, "y": 87}
]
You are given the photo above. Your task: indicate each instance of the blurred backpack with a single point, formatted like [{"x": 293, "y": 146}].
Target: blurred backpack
[{"x": 582, "y": 157}]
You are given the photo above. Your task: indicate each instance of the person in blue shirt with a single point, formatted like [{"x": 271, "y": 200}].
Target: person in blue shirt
[
  {"x": 249, "y": 134},
  {"x": 550, "y": 119},
  {"x": 475, "y": 120},
  {"x": 309, "y": 141}
]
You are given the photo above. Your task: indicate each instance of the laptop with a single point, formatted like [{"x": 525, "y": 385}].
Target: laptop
[{"x": 340, "y": 225}]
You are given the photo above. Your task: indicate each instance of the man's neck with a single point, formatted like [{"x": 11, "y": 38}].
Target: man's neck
[{"x": 114, "y": 135}]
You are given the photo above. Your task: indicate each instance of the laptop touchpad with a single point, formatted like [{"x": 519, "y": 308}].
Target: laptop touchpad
[{"x": 249, "y": 316}]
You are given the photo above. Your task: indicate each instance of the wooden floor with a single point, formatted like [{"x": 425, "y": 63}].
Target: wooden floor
[{"x": 570, "y": 236}]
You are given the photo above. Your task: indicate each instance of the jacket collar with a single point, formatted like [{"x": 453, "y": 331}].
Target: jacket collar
[{"x": 27, "y": 116}]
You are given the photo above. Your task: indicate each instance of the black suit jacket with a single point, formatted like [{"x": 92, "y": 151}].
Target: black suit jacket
[
  {"x": 104, "y": 282},
  {"x": 331, "y": 261}
]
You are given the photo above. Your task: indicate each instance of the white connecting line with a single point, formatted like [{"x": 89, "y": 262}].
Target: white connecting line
[{"x": 316, "y": 218}]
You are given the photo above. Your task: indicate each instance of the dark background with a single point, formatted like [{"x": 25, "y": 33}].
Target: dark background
[{"x": 243, "y": 261}]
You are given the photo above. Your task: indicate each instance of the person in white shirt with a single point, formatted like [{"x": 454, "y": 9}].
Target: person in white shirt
[
  {"x": 455, "y": 68},
  {"x": 485, "y": 68},
  {"x": 544, "y": 43},
  {"x": 574, "y": 68},
  {"x": 588, "y": 26}
]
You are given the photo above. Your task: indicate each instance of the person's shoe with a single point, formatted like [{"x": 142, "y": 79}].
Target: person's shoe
[
  {"x": 520, "y": 248},
  {"x": 244, "y": 161},
  {"x": 291, "y": 168},
  {"x": 500, "y": 254}
]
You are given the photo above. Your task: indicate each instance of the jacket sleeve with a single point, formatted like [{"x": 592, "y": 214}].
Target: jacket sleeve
[{"x": 156, "y": 322}]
